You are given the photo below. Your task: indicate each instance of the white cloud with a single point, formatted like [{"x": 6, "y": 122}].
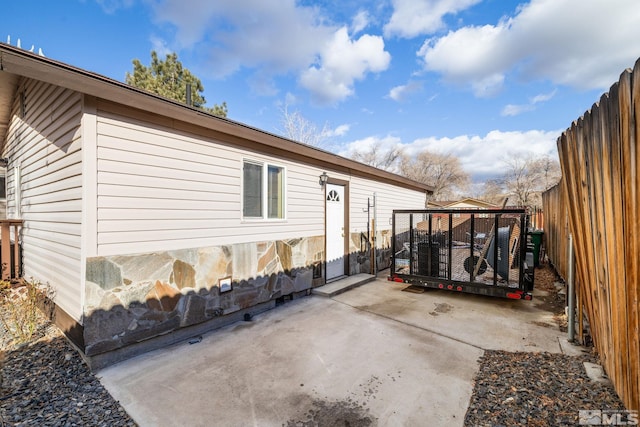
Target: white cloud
[
  {"x": 360, "y": 22},
  {"x": 290, "y": 99},
  {"x": 461, "y": 57},
  {"x": 338, "y": 131},
  {"x": 111, "y": 6},
  {"x": 276, "y": 37},
  {"x": 402, "y": 92},
  {"x": 160, "y": 46},
  {"x": 412, "y": 18},
  {"x": 480, "y": 156},
  {"x": 262, "y": 83},
  {"x": 483, "y": 155},
  {"x": 365, "y": 144},
  {"x": 543, "y": 97},
  {"x": 581, "y": 43},
  {"x": 514, "y": 110},
  {"x": 234, "y": 34},
  {"x": 343, "y": 61}
]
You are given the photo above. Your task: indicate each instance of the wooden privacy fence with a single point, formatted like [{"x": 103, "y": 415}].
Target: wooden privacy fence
[
  {"x": 10, "y": 251},
  {"x": 536, "y": 218},
  {"x": 556, "y": 227},
  {"x": 599, "y": 193}
]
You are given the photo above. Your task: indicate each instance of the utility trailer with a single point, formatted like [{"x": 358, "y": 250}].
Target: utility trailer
[{"x": 480, "y": 251}]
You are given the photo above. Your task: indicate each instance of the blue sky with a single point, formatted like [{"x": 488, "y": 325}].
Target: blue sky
[{"x": 480, "y": 79}]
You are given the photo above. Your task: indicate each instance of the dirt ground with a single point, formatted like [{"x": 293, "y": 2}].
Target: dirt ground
[{"x": 555, "y": 302}]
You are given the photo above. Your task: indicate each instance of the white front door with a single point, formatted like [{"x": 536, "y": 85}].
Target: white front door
[{"x": 335, "y": 232}]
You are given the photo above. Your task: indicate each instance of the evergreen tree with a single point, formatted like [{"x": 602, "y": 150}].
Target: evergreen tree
[{"x": 169, "y": 78}]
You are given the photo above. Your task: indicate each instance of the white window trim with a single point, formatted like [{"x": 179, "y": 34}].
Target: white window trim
[
  {"x": 265, "y": 199},
  {"x": 17, "y": 182}
]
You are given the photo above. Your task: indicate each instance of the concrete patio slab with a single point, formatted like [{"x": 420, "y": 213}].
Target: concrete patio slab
[
  {"x": 310, "y": 354},
  {"x": 376, "y": 353},
  {"x": 485, "y": 322}
]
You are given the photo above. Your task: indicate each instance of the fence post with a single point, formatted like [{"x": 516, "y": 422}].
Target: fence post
[{"x": 571, "y": 315}]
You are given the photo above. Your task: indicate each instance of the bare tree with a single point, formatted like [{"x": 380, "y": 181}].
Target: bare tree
[
  {"x": 519, "y": 179},
  {"x": 493, "y": 192},
  {"x": 526, "y": 177},
  {"x": 549, "y": 171},
  {"x": 379, "y": 156},
  {"x": 300, "y": 129},
  {"x": 442, "y": 171}
]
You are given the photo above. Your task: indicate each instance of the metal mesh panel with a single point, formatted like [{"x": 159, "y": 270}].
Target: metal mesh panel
[
  {"x": 402, "y": 243},
  {"x": 468, "y": 247}
]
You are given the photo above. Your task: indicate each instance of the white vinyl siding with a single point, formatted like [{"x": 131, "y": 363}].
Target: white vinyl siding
[
  {"x": 161, "y": 189},
  {"x": 46, "y": 147},
  {"x": 389, "y": 197}
]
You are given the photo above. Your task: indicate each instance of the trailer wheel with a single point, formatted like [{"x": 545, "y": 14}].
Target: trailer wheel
[{"x": 470, "y": 264}]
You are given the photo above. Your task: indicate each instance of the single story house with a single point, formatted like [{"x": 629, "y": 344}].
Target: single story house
[
  {"x": 154, "y": 221},
  {"x": 467, "y": 202}
]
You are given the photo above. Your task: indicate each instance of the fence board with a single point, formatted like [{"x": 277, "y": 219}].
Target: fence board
[
  {"x": 597, "y": 201},
  {"x": 633, "y": 256}
]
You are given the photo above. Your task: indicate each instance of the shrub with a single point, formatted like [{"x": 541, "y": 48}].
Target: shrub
[{"x": 20, "y": 314}]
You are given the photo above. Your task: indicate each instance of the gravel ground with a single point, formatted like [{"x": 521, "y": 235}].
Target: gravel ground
[
  {"x": 537, "y": 389},
  {"x": 46, "y": 383}
]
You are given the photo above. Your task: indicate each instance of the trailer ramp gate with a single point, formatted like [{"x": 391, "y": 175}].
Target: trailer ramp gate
[{"x": 478, "y": 251}]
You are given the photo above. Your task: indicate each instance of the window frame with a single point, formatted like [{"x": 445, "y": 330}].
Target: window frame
[
  {"x": 264, "y": 196},
  {"x": 3, "y": 176}
]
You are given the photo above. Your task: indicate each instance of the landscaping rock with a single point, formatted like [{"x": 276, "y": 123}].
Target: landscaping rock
[
  {"x": 46, "y": 383},
  {"x": 535, "y": 389}
]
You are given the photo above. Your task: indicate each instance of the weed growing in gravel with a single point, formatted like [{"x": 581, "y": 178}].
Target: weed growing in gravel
[
  {"x": 20, "y": 308},
  {"x": 5, "y": 285}
]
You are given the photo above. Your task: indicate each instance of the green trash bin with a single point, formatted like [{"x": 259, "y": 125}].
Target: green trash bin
[{"x": 536, "y": 239}]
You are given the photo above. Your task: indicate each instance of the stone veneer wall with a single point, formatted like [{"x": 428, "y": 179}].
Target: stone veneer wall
[
  {"x": 131, "y": 298},
  {"x": 360, "y": 259}
]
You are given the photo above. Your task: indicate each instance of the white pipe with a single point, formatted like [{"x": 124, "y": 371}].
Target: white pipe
[
  {"x": 375, "y": 234},
  {"x": 571, "y": 315}
]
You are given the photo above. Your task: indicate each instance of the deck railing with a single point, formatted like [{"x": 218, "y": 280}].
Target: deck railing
[{"x": 10, "y": 248}]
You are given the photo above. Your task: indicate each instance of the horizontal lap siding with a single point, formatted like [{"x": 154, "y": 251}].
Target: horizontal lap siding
[
  {"x": 162, "y": 189},
  {"x": 47, "y": 145},
  {"x": 388, "y": 197}
]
